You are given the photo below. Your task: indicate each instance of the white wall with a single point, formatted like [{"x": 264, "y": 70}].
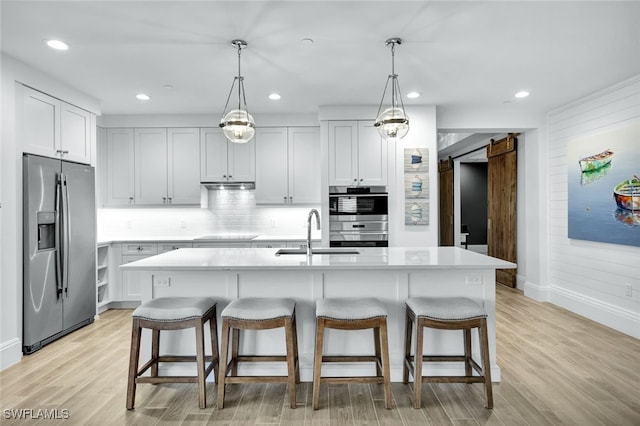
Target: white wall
[
  {"x": 587, "y": 277},
  {"x": 13, "y": 71}
]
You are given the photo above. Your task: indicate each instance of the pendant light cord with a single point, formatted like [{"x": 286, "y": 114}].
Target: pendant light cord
[{"x": 241, "y": 94}]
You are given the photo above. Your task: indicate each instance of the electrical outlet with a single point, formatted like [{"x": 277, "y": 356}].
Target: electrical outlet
[
  {"x": 129, "y": 225},
  {"x": 183, "y": 224},
  {"x": 474, "y": 279},
  {"x": 629, "y": 290},
  {"x": 273, "y": 223},
  {"x": 161, "y": 281}
]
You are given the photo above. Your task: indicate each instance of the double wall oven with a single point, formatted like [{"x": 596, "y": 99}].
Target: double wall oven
[{"x": 358, "y": 216}]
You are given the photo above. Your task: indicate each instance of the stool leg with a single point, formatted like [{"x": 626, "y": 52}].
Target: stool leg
[
  {"x": 385, "y": 362},
  {"x": 317, "y": 362},
  {"x": 376, "y": 343},
  {"x": 291, "y": 361},
  {"x": 224, "y": 352},
  {"x": 407, "y": 348},
  {"x": 155, "y": 351},
  {"x": 202, "y": 389},
  {"x": 215, "y": 356},
  {"x": 467, "y": 352},
  {"x": 133, "y": 364},
  {"x": 295, "y": 348},
  {"x": 417, "y": 379},
  {"x": 486, "y": 367},
  {"x": 235, "y": 346}
]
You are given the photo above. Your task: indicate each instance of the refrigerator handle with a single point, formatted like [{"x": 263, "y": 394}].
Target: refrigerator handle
[
  {"x": 57, "y": 232},
  {"x": 66, "y": 235}
]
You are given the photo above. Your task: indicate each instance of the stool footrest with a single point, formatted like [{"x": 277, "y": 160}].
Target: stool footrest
[
  {"x": 259, "y": 358},
  {"x": 347, "y": 380},
  {"x": 350, "y": 358},
  {"x": 256, "y": 379},
  {"x": 167, "y": 379},
  {"x": 453, "y": 379}
]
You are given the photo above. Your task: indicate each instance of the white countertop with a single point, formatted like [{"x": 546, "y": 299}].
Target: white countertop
[
  {"x": 212, "y": 237},
  {"x": 221, "y": 259}
]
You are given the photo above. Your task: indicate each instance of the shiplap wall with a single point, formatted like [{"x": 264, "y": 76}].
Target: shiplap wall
[{"x": 587, "y": 277}]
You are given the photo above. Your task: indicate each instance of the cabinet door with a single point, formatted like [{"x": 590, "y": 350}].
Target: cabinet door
[
  {"x": 304, "y": 165},
  {"x": 120, "y": 167},
  {"x": 372, "y": 155},
  {"x": 213, "y": 151},
  {"x": 343, "y": 150},
  {"x": 183, "y": 167},
  {"x": 151, "y": 166},
  {"x": 39, "y": 121},
  {"x": 130, "y": 287},
  {"x": 241, "y": 161},
  {"x": 271, "y": 166},
  {"x": 75, "y": 133}
]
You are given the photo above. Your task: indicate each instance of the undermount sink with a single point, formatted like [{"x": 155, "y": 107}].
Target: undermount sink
[{"x": 317, "y": 251}]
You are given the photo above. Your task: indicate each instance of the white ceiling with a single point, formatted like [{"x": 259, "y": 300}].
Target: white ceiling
[{"x": 457, "y": 54}]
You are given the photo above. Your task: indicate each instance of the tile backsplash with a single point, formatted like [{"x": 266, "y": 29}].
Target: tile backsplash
[{"x": 228, "y": 211}]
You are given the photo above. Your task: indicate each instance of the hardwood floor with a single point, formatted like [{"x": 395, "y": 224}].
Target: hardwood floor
[{"x": 557, "y": 368}]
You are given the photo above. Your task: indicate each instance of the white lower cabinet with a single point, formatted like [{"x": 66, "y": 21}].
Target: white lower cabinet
[{"x": 223, "y": 245}]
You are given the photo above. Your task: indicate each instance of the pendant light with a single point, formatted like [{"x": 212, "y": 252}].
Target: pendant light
[
  {"x": 393, "y": 122},
  {"x": 238, "y": 125}
]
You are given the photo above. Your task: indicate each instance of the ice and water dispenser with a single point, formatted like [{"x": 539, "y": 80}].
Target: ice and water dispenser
[{"x": 46, "y": 230}]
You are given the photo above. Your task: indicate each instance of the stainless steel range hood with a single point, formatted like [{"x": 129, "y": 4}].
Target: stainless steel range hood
[{"x": 228, "y": 185}]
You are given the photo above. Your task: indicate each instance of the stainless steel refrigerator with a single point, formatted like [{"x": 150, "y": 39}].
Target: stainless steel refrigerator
[{"x": 59, "y": 249}]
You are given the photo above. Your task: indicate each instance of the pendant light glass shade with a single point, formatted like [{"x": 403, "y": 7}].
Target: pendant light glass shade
[
  {"x": 238, "y": 125},
  {"x": 393, "y": 122}
]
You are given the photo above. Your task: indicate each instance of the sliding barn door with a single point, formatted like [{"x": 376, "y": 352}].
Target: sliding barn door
[
  {"x": 445, "y": 168},
  {"x": 501, "y": 205}
]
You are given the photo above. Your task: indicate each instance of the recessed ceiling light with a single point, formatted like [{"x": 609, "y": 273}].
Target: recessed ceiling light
[
  {"x": 143, "y": 97},
  {"x": 522, "y": 94},
  {"x": 274, "y": 96},
  {"x": 306, "y": 40},
  {"x": 57, "y": 44},
  {"x": 413, "y": 95},
  {"x": 168, "y": 86}
]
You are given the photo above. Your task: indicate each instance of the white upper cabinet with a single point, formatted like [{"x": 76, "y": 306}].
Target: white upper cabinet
[
  {"x": 272, "y": 175},
  {"x": 304, "y": 164},
  {"x": 224, "y": 161},
  {"x": 287, "y": 165},
  {"x": 183, "y": 173},
  {"x": 53, "y": 128},
  {"x": 120, "y": 165},
  {"x": 357, "y": 154},
  {"x": 151, "y": 166}
]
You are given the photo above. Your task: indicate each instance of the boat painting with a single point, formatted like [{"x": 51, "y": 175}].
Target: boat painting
[
  {"x": 587, "y": 178},
  {"x": 596, "y": 161},
  {"x": 627, "y": 194},
  {"x": 627, "y": 217}
]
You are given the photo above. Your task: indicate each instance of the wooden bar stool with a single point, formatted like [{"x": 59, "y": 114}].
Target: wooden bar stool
[
  {"x": 453, "y": 313},
  {"x": 173, "y": 313},
  {"x": 258, "y": 314},
  {"x": 352, "y": 314}
]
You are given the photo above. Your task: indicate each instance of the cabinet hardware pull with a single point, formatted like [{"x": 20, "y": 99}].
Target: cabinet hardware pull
[
  {"x": 230, "y": 177},
  {"x": 169, "y": 199},
  {"x": 360, "y": 179},
  {"x": 164, "y": 200},
  {"x": 139, "y": 248}
]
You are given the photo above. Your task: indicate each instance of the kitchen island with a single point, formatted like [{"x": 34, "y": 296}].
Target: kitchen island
[{"x": 390, "y": 274}]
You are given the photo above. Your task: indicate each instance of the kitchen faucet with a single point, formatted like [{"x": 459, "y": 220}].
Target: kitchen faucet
[{"x": 312, "y": 212}]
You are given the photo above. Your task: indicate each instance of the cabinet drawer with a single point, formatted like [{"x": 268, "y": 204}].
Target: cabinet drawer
[
  {"x": 163, "y": 248},
  {"x": 222, "y": 245},
  {"x": 139, "y": 248},
  {"x": 269, "y": 244}
]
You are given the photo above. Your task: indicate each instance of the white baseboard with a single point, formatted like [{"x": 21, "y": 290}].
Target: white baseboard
[
  {"x": 536, "y": 292},
  {"x": 620, "y": 319},
  {"x": 10, "y": 353}
]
